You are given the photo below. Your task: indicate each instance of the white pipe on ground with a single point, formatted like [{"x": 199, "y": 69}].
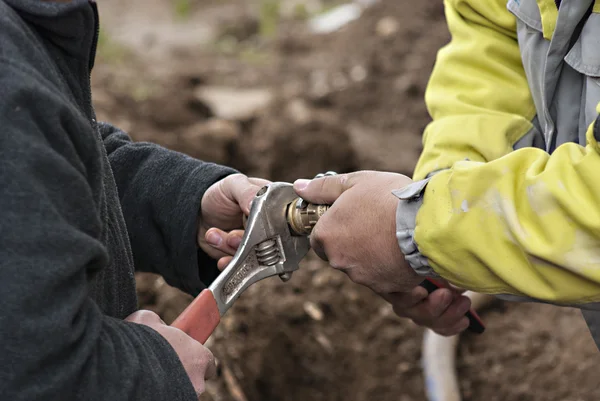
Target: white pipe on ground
[{"x": 439, "y": 356}]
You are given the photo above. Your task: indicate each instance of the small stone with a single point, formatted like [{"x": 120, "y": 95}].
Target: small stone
[
  {"x": 386, "y": 310},
  {"x": 327, "y": 277},
  {"x": 404, "y": 367},
  {"x": 358, "y": 73},
  {"x": 406, "y": 84},
  {"x": 228, "y": 323},
  {"x": 387, "y": 26},
  {"x": 324, "y": 342},
  {"x": 352, "y": 295},
  {"x": 319, "y": 84},
  {"x": 298, "y": 111},
  {"x": 313, "y": 311},
  {"x": 496, "y": 369},
  {"x": 233, "y": 103}
]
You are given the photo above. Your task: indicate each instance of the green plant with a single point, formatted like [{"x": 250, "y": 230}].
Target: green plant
[
  {"x": 109, "y": 50},
  {"x": 269, "y": 17},
  {"x": 301, "y": 12},
  {"x": 183, "y": 8}
]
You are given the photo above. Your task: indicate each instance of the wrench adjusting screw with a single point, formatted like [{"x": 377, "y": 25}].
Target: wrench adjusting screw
[{"x": 267, "y": 253}]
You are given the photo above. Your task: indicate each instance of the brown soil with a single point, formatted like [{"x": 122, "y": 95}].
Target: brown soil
[{"x": 345, "y": 101}]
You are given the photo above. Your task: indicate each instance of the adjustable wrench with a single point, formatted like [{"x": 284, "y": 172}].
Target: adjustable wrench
[
  {"x": 270, "y": 247},
  {"x": 274, "y": 243}
]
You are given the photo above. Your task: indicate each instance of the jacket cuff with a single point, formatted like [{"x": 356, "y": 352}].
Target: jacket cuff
[{"x": 411, "y": 199}]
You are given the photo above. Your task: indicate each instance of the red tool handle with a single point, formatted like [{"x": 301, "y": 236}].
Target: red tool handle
[
  {"x": 200, "y": 318},
  {"x": 475, "y": 323}
]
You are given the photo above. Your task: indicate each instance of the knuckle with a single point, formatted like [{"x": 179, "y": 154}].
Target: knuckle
[
  {"x": 445, "y": 326},
  {"x": 209, "y": 358},
  {"x": 423, "y": 311},
  {"x": 338, "y": 262},
  {"x": 237, "y": 177},
  {"x": 344, "y": 179},
  {"x": 360, "y": 279},
  {"x": 317, "y": 235},
  {"x": 433, "y": 310},
  {"x": 424, "y": 321},
  {"x": 144, "y": 316},
  {"x": 354, "y": 274}
]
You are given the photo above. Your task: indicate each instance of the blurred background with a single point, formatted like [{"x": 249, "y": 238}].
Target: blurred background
[{"x": 285, "y": 89}]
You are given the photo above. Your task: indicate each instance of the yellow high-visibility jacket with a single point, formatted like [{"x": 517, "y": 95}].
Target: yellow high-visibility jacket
[{"x": 507, "y": 192}]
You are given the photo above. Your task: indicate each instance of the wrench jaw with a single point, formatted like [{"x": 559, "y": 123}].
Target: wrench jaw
[{"x": 268, "y": 247}]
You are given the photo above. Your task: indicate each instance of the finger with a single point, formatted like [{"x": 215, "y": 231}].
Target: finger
[
  {"x": 324, "y": 190},
  {"x": 431, "y": 308},
  {"x": 317, "y": 245},
  {"x": 458, "y": 327},
  {"x": 223, "y": 262},
  {"x": 226, "y": 242},
  {"x": 406, "y": 299},
  {"x": 259, "y": 181},
  {"x": 242, "y": 190},
  {"x": 202, "y": 368},
  {"x": 403, "y": 303},
  {"x": 211, "y": 366},
  {"x": 145, "y": 317},
  {"x": 454, "y": 314},
  {"x": 211, "y": 251}
]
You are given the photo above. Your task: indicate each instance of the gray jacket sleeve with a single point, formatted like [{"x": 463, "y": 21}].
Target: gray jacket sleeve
[
  {"x": 410, "y": 201},
  {"x": 56, "y": 342},
  {"x": 160, "y": 192}
]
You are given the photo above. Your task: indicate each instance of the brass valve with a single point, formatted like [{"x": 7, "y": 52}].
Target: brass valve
[{"x": 303, "y": 216}]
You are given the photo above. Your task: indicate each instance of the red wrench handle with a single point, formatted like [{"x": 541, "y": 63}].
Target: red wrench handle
[
  {"x": 475, "y": 323},
  {"x": 200, "y": 318}
]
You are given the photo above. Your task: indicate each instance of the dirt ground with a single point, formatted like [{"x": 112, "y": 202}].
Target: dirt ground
[{"x": 226, "y": 81}]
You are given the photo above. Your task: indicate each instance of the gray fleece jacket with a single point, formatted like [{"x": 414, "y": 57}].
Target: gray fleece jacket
[{"x": 81, "y": 205}]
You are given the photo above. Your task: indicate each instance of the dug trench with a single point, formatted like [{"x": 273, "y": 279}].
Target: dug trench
[{"x": 291, "y": 106}]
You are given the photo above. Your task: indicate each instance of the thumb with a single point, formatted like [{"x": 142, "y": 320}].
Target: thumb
[
  {"x": 324, "y": 190},
  {"x": 145, "y": 317},
  {"x": 241, "y": 190}
]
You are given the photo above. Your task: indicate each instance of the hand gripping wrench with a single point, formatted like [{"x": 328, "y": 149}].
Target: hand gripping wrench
[
  {"x": 270, "y": 246},
  {"x": 274, "y": 243}
]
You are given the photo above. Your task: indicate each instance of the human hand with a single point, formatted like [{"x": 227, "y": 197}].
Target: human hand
[
  {"x": 442, "y": 311},
  {"x": 198, "y": 361},
  {"x": 357, "y": 235},
  {"x": 223, "y": 207}
]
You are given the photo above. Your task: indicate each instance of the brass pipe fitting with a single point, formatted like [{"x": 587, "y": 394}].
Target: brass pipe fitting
[{"x": 303, "y": 216}]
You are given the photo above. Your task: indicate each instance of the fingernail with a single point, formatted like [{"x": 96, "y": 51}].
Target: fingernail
[
  {"x": 234, "y": 242},
  {"x": 301, "y": 185},
  {"x": 214, "y": 239}
]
